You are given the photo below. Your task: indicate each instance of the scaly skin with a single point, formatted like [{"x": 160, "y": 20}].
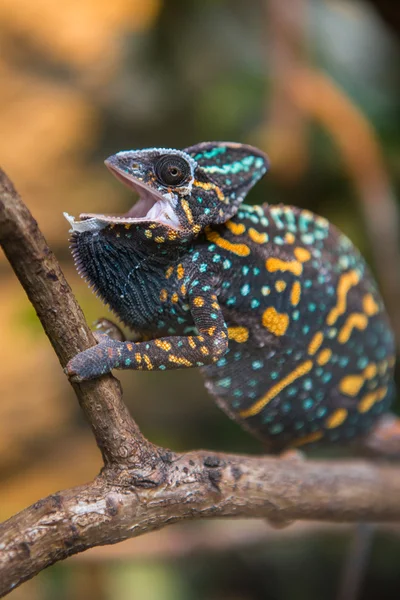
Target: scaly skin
[{"x": 273, "y": 303}]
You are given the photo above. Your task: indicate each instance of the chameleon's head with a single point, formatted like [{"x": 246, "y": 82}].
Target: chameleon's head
[{"x": 181, "y": 192}]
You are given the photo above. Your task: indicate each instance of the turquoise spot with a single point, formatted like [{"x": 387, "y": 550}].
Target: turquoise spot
[
  {"x": 253, "y": 382},
  {"x": 257, "y": 364},
  {"x": 254, "y": 303},
  {"x": 226, "y": 284},
  {"x": 195, "y": 256},
  {"x": 276, "y": 428},
  {"x": 306, "y": 329},
  {"x": 214, "y": 316},
  {"x": 299, "y": 425},
  {"x": 362, "y": 362},
  {"x": 312, "y": 306},
  {"x": 227, "y": 264},
  {"x": 245, "y": 289},
  {"x": 278, "y": 240},
  {"x": 321, "y": 411},
  {"x": 245, "y": 270},
  {"x": 295, "y": 315},
  {"x": 238, "y": 393},
  {"x": 128, "y": 362},
  {"x": 221, "y": 362},
  {"x": 307, "y": 283},
  {"x": 307, "y": 384},
  {"x": 291, "y": 391},
  {"x": 286, "y": 407},
  {"x": 256, "y": 271},
  {"x": 274, "y": 375},
  {"x": 326, "y": 377},
  {"x": 206, "y": 288},
  {"x": 203, "y": 267},
  {"x": 207, "y": 211},
  {"x": 344, "y": 361},
  {"x": 226, "y": 382},
  {"x": 216, "y": 258},
  {"x": 307, "y": 404},
  {"x": 231, "y": 301}
]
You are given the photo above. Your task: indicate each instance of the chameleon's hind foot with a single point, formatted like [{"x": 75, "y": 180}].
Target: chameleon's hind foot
[
  {"x": 107, "y": 327},
  {"x": 384, "y": 438}
]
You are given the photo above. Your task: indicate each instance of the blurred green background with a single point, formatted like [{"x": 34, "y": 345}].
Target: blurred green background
[{"x": 315, "y": 84}]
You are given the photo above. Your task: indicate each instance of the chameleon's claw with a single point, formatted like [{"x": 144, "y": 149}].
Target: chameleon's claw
[{"x": 95, "y": 361}]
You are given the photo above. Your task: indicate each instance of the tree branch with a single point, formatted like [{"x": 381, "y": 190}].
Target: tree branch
[{"x": 143, "y": 487}]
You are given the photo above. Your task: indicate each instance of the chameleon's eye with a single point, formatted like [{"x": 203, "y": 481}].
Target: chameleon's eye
[{"x": 172, "y": 170}]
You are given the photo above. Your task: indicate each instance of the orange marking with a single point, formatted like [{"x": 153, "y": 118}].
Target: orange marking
[
  {"x": 196, "y": 228},
  {"x": 215, "y": 305},
  {"x": 301, "y": 370},
  {"x": 130, "y": 347},
  {"x": 128, "y": 225},
  {"x": 179, "y": 361},
  {"x": 169, "y": 272},
  {"x": 163, "y": 344},
  {"x": 238, "y": 249},
  {"x": 346, "y": 282},
  {"x": 295, "y": 293},
  {"x": 148, "y": 362},
  {"x": 204, "y": 350},
  {"x": 210, "y": 186},
  {"x": 370, "y": 371},
  {"x": 258, "y": 237},
  {"x": 183, "y": 289},
  {"x": 290, "y": 238},
  {"x": 324, "y": 356},
  {"x": 180, "y": 271},
  {"x": 276, "y": 264},
  {"x": 280, "y": 285},
  {"x": 302, "y": 254},
  {"x": 238, "y": 334},
  {"x": 188, "y": 212},
  {"x": 370, "y": 307},
  {"x": 172, "y": 234},
  {"x": 354, "y": 320},
  {"x": 276, "y": 323},
  {"x": 315, "y": 343},
  {"x": 308, "y": 439},
  {"x": 148, "y": 233},
  {"x": 336, "y": 418},
  {"x": 351, "y": 384},
  {"x": 163, "y": 295},
  {"x": 198, "y": 301},
  {"x": 211, "y": 330},
  {"x": 138, "y": 357},
  {"x": 370, "y": 399},
  {"x": 192, "y": 343},
  {"x": 159, "y": 239},
  {"x": 174, "y": 297},
  {"x": 235, "y": 228}
]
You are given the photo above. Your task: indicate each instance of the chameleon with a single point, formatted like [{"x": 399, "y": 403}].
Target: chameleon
[{"x": 273, "y": 303}]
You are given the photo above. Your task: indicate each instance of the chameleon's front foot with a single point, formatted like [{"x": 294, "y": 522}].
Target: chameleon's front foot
[{"x": 96, "y": 361}]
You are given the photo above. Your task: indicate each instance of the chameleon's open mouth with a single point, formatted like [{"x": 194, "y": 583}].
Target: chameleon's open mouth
[{"x": 151, "y": 206}]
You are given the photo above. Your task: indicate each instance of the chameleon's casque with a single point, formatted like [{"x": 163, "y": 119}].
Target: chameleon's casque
[{"x": 273, "y": 303}]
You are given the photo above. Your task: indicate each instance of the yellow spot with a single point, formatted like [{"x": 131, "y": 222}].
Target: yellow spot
[
  {"x": 163, "y": 295},
  {"x": 183, "y": 289},
  {"x": 346, "y": 282},
  {"x": 169, "y": 272},
  {"x": 257, "y": 237},
  {"x": 238, "y": 249},
  {"x": 369, "y": 399},
  {"x": 138, "y": 357},
  {"x": 191, "y": 341},
  {"x": 301, "y": 370},
  {"x": 276, "y": 264},
  {"x": 148, "y": 233},
  {"x": 148, "y": 362},
  {"x": 238, "y": 334},
  {"x": 179, "y": 361},
  {"x": 153, "y": 226},
  {"x": 315, "y": 343},
  {"x": 210, "y": 186},
  {"x": 200, "y": 338},
  {"x": 290, "y": 238},
  {"x": 128, "y": 225},
  {"x": 370, "y": 371},
  {"x": 370, "y": 307},
  {"x": 172, "y": 234},
  {"x": 215, "y": 305},
  {"x": 295, "y": 293},
  {"x": 276, "y": 323},
  {"x": 211, "y": 330},
  {"x": 280, "y": 285},
  {"x": 174, "y": 297},
  {"x": 324, "y": 356},
  {"x": 196, "y": 228},
  {"x": 198, "y": 301},
  {"x": 308, "y": 439},
  {"x": 336, "y": 418},
  {"x": 188, "y": 212},
  {"x": 163, "y": 344},
  {"x": 235, "y": 228},
  {"x": 159, "y": 239},
  {"x": 351, "y": 384},
  {"x": 180, "y": 271},
  {"x": 302, "y": 254},
  {"x": 130, "y": 347},
  {"x": 204, "y": 350},
  {"x": 354, "y": 320}
]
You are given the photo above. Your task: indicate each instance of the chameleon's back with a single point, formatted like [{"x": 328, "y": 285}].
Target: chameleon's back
[{"x": 311, "y": 352}]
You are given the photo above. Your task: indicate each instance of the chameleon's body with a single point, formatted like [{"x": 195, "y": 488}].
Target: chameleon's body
[{"x": 274, "y": 304}]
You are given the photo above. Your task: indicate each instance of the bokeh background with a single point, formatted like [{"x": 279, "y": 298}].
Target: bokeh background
[{"x": 315, "y": 84}]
